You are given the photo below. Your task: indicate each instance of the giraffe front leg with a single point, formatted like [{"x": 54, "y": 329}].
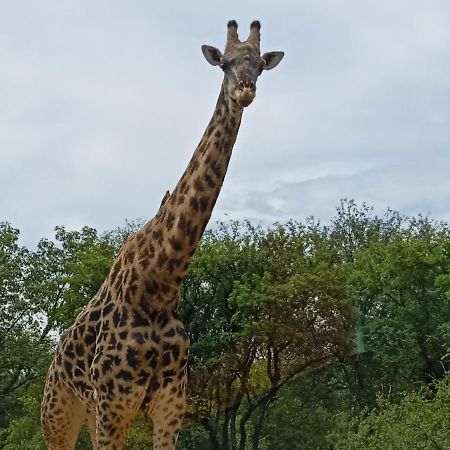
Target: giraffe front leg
[
  {"x": 112, "y": 422},
  {"x": 166, "y": 412},
  {"x": 62, "y": 416}
]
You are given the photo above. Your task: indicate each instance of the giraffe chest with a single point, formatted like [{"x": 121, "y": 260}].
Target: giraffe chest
[{"x": 122, "y": 351}]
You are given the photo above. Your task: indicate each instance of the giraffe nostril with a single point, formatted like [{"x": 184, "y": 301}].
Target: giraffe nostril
[{"x": 246, "y": 84}]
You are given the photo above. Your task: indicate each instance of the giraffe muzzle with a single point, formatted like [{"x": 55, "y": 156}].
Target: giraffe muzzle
[{"x": 245, "y": 94}]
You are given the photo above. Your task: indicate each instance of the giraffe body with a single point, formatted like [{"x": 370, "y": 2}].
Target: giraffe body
[{"x": 126, "y": 353}]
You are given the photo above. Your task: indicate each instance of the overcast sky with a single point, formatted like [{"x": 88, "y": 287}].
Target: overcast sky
[{"x": 103, "y": 102}]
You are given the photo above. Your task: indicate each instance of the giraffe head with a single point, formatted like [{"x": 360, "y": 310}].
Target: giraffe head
[{"x": 242, "y": 63}]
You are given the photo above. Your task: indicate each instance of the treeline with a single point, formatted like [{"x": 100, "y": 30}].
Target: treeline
[{"x": 304, "y": 335}]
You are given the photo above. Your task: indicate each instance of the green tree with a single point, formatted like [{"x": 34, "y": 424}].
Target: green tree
[
  {"x": 23, "y": 352},
  {"x": 287, "y": 312},
  {"x": 419, "y": 421},
  {"x": 401, "y": 289},
  {"x": 270, "y": 314}
]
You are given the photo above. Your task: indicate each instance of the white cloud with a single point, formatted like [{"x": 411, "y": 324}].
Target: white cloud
[
  {"x": 103, "y": 104},
  {"x": 413, "y": 187}
]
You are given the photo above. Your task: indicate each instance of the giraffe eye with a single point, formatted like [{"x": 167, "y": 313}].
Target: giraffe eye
[{"x": 224, "y": 65}]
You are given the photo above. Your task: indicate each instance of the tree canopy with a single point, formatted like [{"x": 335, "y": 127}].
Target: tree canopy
[{"x": 304, "y": 335}]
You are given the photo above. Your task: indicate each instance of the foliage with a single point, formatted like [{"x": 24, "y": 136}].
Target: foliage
[
  {"x": 278, "y": 304},
  {"x": 419, "y": 421},
  {"x": 402, "y": 293},
  {"x": 23, "y": 349},
  {"x": 304, "y": 336}
]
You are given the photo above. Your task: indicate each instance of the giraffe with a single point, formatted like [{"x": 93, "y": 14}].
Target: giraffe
[{"x": 126, "y": 352}]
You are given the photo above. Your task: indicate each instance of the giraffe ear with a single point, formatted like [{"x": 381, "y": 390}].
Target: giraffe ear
[
  {"x": 212, "y": 54},
  {"x": 272, "y": 59}
]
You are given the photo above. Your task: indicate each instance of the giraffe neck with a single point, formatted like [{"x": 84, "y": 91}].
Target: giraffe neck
[{"x": 164, "y": 247}]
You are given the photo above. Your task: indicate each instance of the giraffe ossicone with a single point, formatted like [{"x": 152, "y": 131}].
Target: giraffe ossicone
[{"x": 126, "y": 352}]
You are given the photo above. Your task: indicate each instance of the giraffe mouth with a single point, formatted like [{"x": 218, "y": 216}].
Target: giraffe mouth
[
  {"x": 244, "y": 97},
  {"x": 245, "y": 102}
]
